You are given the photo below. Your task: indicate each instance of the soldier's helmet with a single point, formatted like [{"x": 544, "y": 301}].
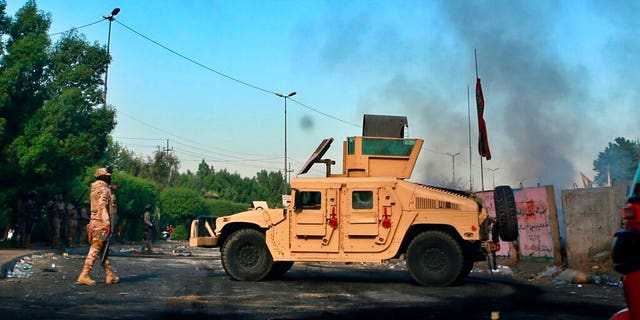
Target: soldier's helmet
[{"x": 102, "y": 172}]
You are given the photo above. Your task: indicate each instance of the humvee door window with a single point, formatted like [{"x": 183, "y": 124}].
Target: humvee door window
[
  {"x": 310, "y": 200},
  {"x": 362, "y": 199}
]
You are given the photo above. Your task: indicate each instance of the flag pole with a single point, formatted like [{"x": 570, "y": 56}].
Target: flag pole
[
  {"x": 475, "y": 55},
  {"x": 470, "y": 154}
]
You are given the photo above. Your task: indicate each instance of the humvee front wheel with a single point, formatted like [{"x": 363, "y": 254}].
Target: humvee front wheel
[
  {"x": 245, "y": 256},
  {"x": 280, "y": 268},
  {"x": 466, "y": 269},
  {"x": 435, "y": 258}
]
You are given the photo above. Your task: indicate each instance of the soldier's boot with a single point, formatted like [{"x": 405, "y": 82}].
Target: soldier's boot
[
  {"x": 84, "y": 277},
  {"x": 111, "y": 277}
]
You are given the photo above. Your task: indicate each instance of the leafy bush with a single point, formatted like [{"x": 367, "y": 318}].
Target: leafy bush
[
  {"x": 179, "y": 204},
  {"x": 180, "y": 233}
]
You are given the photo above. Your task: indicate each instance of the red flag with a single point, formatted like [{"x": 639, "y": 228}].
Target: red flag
[{"x": 483, "y": 139}]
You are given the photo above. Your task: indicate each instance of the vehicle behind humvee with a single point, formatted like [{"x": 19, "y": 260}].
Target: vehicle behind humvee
[{"x": 367, "y": 213}]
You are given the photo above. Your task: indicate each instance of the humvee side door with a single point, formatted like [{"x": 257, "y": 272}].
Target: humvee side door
[
  {"x": 314, "y": 221},
  {"x": 368, "y": 219}
]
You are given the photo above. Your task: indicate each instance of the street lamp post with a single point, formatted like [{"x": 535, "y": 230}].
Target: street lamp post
[
  {"x": 109, "y": 17},
  {"x": 522, "y": 183},
  {"x": 284, "y": 185},
  {"x": 453, "y": 164},
  {"x": 493, "y": 175}
]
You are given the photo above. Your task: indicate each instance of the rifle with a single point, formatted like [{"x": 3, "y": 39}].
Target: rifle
[{"x": 105, "y": 250}]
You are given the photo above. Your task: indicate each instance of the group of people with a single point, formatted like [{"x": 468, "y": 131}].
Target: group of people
[{"x": 62, "y": 221}]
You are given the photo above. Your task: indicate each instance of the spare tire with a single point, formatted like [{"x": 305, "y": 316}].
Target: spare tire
[{"x": 506, "y": 213}]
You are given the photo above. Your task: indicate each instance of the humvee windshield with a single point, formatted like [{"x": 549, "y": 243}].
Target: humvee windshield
[{"x": 383, "y": 147}]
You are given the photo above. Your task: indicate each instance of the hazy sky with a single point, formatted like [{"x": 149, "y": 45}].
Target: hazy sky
[{"x": 560, "y": 79}]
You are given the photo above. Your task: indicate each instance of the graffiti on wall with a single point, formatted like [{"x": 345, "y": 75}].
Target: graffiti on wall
[{"x": 533, "y": 209}]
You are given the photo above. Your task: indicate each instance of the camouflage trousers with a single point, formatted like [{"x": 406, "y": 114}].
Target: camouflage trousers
[
  {"x": 72, "y": 225},
  {"x": 98, "y": 241},
  {"x": 146, "y": 240},
  {"x": 54, "y": 225}
]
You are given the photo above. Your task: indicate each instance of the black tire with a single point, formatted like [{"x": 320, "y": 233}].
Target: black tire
[
  {"x": 245, "y": 256},
  {"x": 467, "y": 266},
  {"x": 434, "y": 258},
  {"x": 506, "y": 213},
  {"x": 280, "y": 268}
]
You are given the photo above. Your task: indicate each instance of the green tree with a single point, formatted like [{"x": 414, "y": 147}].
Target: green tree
[
  {"x": 123, "y": 159},
  {"x": 22, "y": 84},
  {"x": 270, "y": 187},
  {"x": 5, "y": 21},
  {"x": 619, "y": 160},
  {"x": 49, "y": 97},
  {"x": 163, "y": 169}
]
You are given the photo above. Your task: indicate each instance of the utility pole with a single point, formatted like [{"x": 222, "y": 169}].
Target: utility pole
[
  {"x": 109, "y": 17},
  {"x": 168, "y": 151},
  {"x": 289, "y": 174},
  {"x": 453, "y": 164},
  {"x": 285, "y": 97}
]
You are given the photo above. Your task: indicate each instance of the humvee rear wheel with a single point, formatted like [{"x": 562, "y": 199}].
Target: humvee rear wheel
[
  {"x": 280, "y": 268},
  {"x": 506, "y": 213},
  {"x": 245, "y": 256},
  {"x": 435, "y": 258}
]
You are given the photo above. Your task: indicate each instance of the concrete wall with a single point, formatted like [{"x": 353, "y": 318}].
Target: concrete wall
[
  {"x": 537, "y": 224},
  {"x": 591, "y": 216}
]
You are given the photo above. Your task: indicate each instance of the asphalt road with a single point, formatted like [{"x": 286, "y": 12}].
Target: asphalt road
[{"x": 191, "y": 284}]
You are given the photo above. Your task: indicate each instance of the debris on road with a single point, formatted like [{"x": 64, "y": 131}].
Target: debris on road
[{"x": 20, "y": 270}]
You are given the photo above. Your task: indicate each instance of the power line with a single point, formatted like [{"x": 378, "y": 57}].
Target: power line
[
  {"x": 228, "y": 76},
  {"x": 208, "y": 68},
  {"x": 208, "y": 157},
  {"x": 182, "y": 138},
  {"x": 216, "y": 72},
  {"x": 78, "y": 28},
  {"x": 325, "y": 114},
  {"x": 195, "y": 62}
]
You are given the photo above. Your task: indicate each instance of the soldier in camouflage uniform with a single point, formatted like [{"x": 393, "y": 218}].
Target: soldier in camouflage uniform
[
  {"x": 85, "y": 217},
  {"x": 72, "y": 223},
  {"x": 99, "y": 226},
  {"x": 56, "y": 211},
  {"x": 29, "y": 215},
  {"x": 148, "y": 229}
]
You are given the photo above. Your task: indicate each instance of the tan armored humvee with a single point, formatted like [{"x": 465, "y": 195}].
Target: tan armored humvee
[{"x": 367, "y": 213}]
